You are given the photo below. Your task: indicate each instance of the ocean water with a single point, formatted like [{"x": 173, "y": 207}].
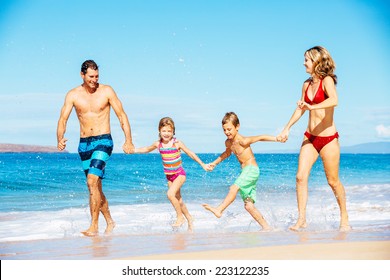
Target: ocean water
[{"x": 45, "y": 197}]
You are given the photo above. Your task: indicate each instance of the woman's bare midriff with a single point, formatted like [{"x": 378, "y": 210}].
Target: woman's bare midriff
[{"x": 321, "y": 123}]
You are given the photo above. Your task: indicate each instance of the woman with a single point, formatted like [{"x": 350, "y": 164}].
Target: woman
[{"x": 319, "y": 97}]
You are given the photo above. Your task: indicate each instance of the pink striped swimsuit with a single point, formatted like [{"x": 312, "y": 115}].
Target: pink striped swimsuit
[{"x": 172, "y": 162}]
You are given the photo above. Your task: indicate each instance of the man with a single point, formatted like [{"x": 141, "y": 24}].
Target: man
[{"x": 92, "y": 102}]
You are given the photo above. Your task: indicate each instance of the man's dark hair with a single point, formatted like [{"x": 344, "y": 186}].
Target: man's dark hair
[{"x": 89, "y": 64}]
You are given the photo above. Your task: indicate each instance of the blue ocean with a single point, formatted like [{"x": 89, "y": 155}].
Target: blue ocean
[{"x": 44, "y": 197}]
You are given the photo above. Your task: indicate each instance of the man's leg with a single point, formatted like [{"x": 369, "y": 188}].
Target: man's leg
[
  {"x": 105, "y": 209},
  {"x": 95, "y": 202}
]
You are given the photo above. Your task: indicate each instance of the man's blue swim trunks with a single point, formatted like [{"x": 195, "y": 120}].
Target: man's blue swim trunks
[{"x": 94, "y": 151}]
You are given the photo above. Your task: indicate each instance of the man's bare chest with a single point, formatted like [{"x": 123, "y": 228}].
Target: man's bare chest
[{"x": 91, "y": 104}]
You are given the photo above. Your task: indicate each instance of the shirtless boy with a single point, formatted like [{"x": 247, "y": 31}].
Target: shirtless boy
[
  {"x": 247, "y": 181},
  {"x": 92, "y": 102}
]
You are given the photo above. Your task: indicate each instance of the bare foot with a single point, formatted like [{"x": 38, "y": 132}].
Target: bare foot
[
  {"x": 191, "y": 225},
  {"x": 299, "y": 225},
  {"x": 90, "y": 233},
  {"x": 213, "y": 210},
  {"x": 341, "y": 235},
  {"x": 344, "y": 224},
  {"x": 179, "y": 222},
  {"x": 266, "y": 229},
  {"x": 345, "y": 228},
  {"x": 110, "y": 227}
]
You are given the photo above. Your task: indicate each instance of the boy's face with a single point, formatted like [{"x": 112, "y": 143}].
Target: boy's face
[{"x": 230, "y": 130}]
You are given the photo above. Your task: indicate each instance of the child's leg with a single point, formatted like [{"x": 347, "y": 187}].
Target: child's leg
[
  {"x": 250, "y": 207},
  {"x": 185, "y": 211},
  {"x": 231, "y": 196},
  {"x": 173, "y": 189}
]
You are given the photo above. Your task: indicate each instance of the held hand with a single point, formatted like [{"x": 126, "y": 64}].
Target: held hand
[
  {"x": 303, "y": 105},
  {"x": 128, "y": 147},
  {"x": 211, "y": 166},
  {"x": 283, "y": 136},
  {"x": 205, "y": 167},
  {"x": 62, "y": 144},
  {"x": 281, "y": 139}
]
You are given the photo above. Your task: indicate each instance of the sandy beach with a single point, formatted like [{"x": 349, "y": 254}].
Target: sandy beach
[
  {"x": 276, "y": 245},
  {"x": 336, "y": 260},
  {"x": 378, "y": 250}
]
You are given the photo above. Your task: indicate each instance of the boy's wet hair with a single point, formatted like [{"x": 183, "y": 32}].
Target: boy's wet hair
[
  {"x": 89, "y": 64},
  {"x": 231, "y": 117}
]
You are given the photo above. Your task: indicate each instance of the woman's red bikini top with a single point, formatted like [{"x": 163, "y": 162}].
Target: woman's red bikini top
[{"x": 318, "y": 97}]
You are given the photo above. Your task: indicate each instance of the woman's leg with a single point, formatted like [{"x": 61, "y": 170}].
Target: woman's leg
[
  {"x": 330, "y": 155},
  {"x": 307, "y": 157}
]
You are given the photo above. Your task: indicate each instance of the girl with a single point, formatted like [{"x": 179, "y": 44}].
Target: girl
[{"x": 170, "y": 148}]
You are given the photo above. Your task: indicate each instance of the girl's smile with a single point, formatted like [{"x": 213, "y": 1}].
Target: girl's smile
[{"x": 166, "y": 133}]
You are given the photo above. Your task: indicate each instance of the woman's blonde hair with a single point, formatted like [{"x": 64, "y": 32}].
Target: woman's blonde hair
[
  {"x": 323, "y": 63},
  {"x": 164, "y": 122}
]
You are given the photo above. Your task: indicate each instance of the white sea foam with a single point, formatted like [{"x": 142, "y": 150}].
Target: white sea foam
[{"x": 368, "y": 206}]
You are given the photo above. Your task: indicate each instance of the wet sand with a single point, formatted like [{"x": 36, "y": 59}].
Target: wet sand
[
  {"x": 379, "y": 250},
  {"x": 277, "y": 245}
]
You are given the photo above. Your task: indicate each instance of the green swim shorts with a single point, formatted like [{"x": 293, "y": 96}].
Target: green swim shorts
[{"x": 247, "y": 182}]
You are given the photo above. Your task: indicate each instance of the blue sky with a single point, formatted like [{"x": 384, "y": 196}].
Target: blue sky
[{"x": 193, "y": 61}]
